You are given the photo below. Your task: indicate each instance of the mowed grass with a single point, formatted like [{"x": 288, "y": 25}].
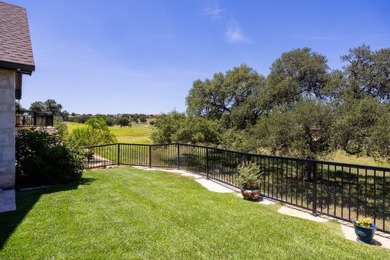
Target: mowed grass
[
  {"x": 72, "y": 126},
  {"x": 136, "y": 134},
  {"x": 126, "y": 213}
]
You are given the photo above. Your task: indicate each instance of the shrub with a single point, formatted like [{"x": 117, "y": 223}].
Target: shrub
[
  {"x": 61, "y": 126},
  {"x": 123, "y": 121},
  {"x": 248, "y": 174},
  {"x": 44, "y": 159},
  {"x": 95, "y": 132}
]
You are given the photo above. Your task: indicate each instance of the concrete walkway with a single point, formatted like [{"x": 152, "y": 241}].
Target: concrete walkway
[{"x": 381, "y": 239}]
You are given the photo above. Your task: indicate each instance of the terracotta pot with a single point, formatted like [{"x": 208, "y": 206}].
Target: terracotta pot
[{"x": 251, "y": 192}]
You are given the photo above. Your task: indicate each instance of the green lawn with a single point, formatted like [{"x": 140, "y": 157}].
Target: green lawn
[{"x": 124, "y": 213}]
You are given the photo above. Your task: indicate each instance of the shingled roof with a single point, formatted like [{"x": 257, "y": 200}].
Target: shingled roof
[{"x": 15, "y": 43}]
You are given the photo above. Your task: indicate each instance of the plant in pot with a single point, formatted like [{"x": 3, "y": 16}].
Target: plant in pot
[
  {"x": 365, "y": 230},
  {"x": 249, "y": 180}
]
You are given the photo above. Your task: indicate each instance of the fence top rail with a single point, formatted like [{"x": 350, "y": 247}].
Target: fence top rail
[
  {"x": 328, "y": 163},
  {"x": 340, "y": 164},
  {"x": 146, "y": 145},
  {"x": 99, "y": 145},
  {"x": 28, "y": 112}
]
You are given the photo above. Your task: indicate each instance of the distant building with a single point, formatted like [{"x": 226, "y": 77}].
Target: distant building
[{"x": 16, "y": 59}]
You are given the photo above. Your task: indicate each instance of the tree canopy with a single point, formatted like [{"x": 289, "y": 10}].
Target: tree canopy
[
  {"x": 297, "y": 75},
  {"x": 177, "y": 127},
  {"x": 230, "y": 97},
  {"x": 49, "y": 105},
  {"x": 302, "y": 131},
  {"x": 367, "y": 73},
  {"x": 302, "y": 108},
  {"x": 355, "y": 122}
]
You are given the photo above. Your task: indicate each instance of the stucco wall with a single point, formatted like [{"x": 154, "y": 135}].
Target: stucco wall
[{"x": 7, "y": 140}]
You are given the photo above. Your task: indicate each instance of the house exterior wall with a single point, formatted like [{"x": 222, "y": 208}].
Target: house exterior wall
[{"x": 7, "y": 140}]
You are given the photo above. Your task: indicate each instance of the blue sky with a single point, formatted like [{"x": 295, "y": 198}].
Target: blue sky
[{"x": 125, "y": 56}]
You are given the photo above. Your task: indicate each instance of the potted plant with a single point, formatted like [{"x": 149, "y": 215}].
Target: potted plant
[
  {"x": 249, "y": 180},
  {"x": 365, "y": 230}
]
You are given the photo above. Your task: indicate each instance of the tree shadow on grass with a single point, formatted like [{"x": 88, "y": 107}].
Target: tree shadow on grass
[{"x": 25, "y": 201}]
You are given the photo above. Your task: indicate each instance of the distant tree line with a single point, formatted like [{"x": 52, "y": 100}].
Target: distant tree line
[
  {"x": 51, "y": 106},
  {"x": 111, "y": 120},
  {"x": 302, "y": 108}
]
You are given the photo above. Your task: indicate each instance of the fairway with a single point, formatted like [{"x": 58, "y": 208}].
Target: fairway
[
  {"x": 136, "y": 134},
  {"x": 72, "y": 126}
]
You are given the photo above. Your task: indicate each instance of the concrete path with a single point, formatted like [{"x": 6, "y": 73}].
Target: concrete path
[
  {"x": 300, "y": 214},
  {"x": 381, "y": 239},
  {"x": 208, "y": 184}
]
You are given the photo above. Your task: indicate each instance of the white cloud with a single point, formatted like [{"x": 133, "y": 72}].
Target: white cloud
[
  {"x": 234, "y": 33},
  {"x": 212, "y": 10}
]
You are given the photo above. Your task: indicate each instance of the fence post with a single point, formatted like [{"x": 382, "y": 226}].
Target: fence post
[
  {"x": 178, "y": 156},
  {"x": 314, "y": 195},
  {"x": 34, "y": 118},
  {"x": 150, "y": 156},
  {"x": 207, "y": 162},
  {"x": 119, "y": 154}
]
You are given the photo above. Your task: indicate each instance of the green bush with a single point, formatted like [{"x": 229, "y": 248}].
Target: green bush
[
  {"x": 45, "y": 159},
  {"x": 95, "y": 132},
  {"x": 61, "y": 126},
  {"x": 177, "y": 127}
]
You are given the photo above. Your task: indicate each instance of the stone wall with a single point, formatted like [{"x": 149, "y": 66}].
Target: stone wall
[{"x": 7, "y": 140}]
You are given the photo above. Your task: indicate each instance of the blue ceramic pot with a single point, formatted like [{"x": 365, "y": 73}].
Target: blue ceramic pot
[{"x": 365, "y": 234}]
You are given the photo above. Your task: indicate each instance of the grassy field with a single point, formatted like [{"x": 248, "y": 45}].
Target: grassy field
[
  {"x": 340, "y": 156},
  {"x": 72, "y": 126},
  {"x": 136, "y": 134},
  {"x": 124, "y": 213}
]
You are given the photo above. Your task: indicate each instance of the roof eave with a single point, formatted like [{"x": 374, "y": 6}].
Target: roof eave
[{"x": 22, "y": 68}]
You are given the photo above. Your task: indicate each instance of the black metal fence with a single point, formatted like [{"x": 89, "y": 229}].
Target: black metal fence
[
  {"x": 33, "y": 118},
  {"x": 344, "y": 191}
]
